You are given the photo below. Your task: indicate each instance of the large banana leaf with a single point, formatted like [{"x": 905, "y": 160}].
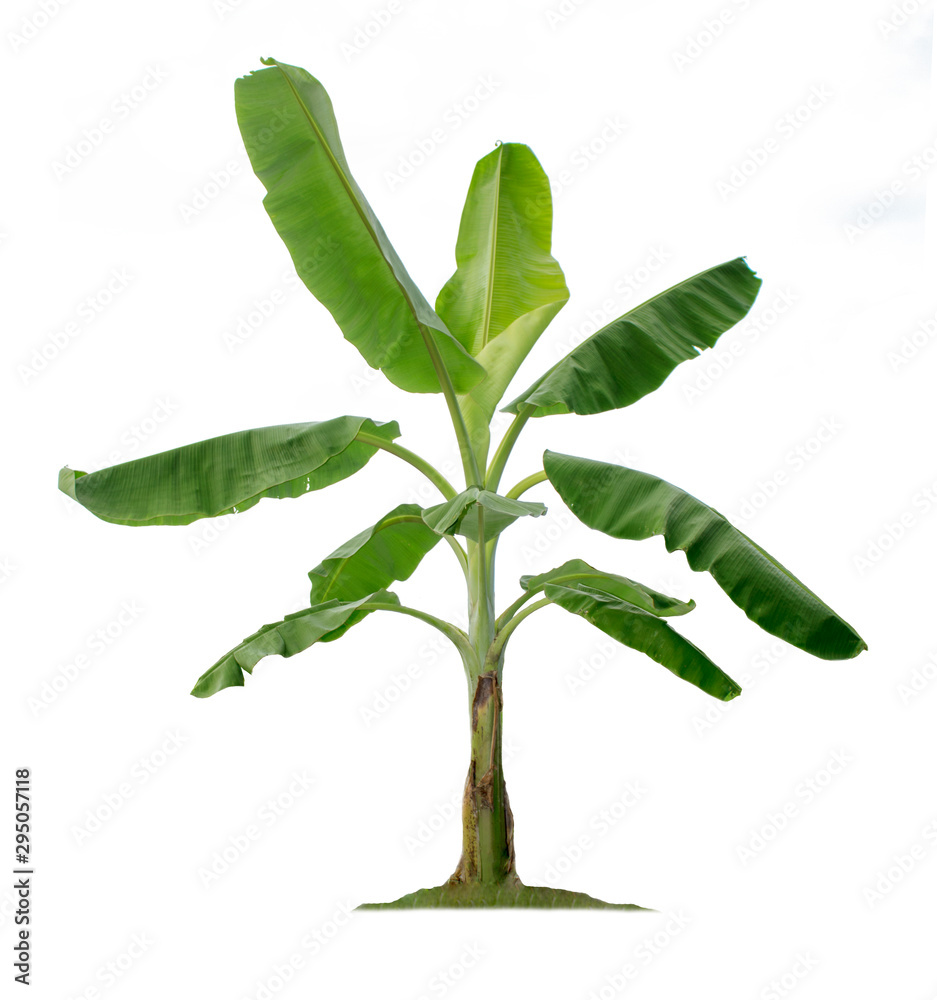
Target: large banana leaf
[
  {"x": 387, "y": 551},
  {"x": 339, "y": 248},
  {"x": 322, "y": 623},
  {"x": 580, "y": 575},
  {"x": 507, "y": 286},
  {"x": 459, "y": 516},
  {"x": 633, "y": 354},
  {"x": 226, "y": 474},
  {"x": 644, "y": 631},
  {"x": 625, "y": 503}
]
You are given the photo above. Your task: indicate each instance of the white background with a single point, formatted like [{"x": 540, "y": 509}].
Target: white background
[{"x": 817, "y": 400}]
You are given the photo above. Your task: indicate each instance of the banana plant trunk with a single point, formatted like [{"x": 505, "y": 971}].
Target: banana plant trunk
[{"x": 487, "y": 823}]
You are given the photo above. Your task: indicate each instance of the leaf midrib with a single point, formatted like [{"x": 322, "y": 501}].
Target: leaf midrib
[{"x": 492, "y": 257}]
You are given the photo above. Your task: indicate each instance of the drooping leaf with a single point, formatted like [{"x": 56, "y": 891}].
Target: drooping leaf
[
  {"x": 459, "y": 516},
  {"x": 579, "y": 575},
  {"x": 625, "y": 503},
  {"x": 644, "y": 631},
  {"x": 321, "y": 623},
  {"x": 337, "y": 244},
  {"x": 633, "y": 354},
  {"x": 389, "y": 550},
  {"x": 507, "y": 286},
  {"x": 226, "y": 474}
]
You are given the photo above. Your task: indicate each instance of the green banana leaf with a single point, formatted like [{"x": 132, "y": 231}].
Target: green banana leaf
[
  {"x": 458, "y": 516},
  {"x": 644, "y": 631},
  {"x": 226, "y": 474},
  {"x": 580, "y": 575},
  {"x": 389, "y": 550},
  {"x": 633, "y": 354},
  {"x": 322, "y": 623},
  {"x": 339, "y": 248},
  {"x": 507, "y": 286},
  {"x": 625, "y": 503}
]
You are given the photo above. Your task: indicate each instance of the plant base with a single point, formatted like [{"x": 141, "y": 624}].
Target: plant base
[{"x": 508, "y": 893}]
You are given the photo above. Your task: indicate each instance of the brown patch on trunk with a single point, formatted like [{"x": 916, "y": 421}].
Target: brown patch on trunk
[
  {"x": 467, "y": 868},
  {"x": 487, "y": 693},
  {"x": 509, "y": 824},
  {"x": 485, "y": 790},
  {"x": 486, "y": 689}
]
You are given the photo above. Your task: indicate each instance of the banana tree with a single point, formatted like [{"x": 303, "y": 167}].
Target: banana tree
[{"x": 506, "y": 289}]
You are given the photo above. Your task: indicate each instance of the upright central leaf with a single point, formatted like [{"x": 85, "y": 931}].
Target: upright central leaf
[
  {"x": 340, "y": 250},
  {"x": 505, "y": 268},
  {"x": 507, "y": 286}
]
